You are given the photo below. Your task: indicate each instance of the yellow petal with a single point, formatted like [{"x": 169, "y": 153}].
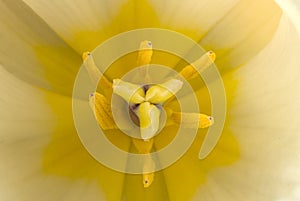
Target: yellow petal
[
  {"x": 162, "y": 92},
  {"x": 149, "y": 116},
  {"x": 131, "y": 93}
]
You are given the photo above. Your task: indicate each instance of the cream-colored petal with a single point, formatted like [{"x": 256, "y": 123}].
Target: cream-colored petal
[
  {"x": 33, "y": 52},
  {"x": 160, "y": 93},
  {"x": 190, "y": 17},
  {"x": 26, "y": 126},
  {"x": 41, "y": 154},
  {"x": 24, "y": 112},
  {"x": 242, "y": 32},
  {"x": 292, "y": 9},
  {"x": 265, "y": 120},
  {"x": 235, "y": 30},
  {"x": 68, "y": 18},
  {"x": 85, "y": 24}
]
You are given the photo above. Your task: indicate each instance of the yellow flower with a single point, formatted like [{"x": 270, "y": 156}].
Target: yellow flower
[{"x": 257, "y": 48}]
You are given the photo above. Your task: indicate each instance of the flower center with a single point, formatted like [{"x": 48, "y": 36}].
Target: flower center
[
  {"x": 145, "y": 102},
  {"x": 134, "y": 104}
]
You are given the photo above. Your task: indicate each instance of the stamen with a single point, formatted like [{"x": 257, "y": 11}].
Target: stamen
[
  {"x": 148, "y": 179},
  {"x": 102, "y": 111},
  {"x": 131, "y": 93},
  {"x": 94, "y": 71},
  {"x": 191, "y": 71},
  {"x": 145, "y": 53},
  {"x": 144, "y": 59},
  {"x": 191, "y": 120},
  {"x": 149, "y": 120},
  {"x": 148, "y": 175},
  {"x": 160, "y": 93}
]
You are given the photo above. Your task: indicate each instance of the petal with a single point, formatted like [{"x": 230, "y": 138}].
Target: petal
[
  {"x": 33, "y": 52},
  {"x": 41, "y": 154},
  {"x": 216, "y": 25},
  {"x": 235, "y": 45},
  {"x": 85, "y": 24},
  {"x": 200, "y": 15},
  {"x": 265, "y": 120},
  {"x": 26, "y": 126},
  {"x": 243, "y": 32},
  {"x": 291, "y": 8},
  {"x": 189, "y": 173},
  {"x": 66, "y": 157}
]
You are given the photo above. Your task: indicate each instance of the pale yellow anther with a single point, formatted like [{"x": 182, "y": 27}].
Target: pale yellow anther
[
  {"x": 94, "y": 72},
  {"x": 191, "y": 71},
  {"x": 132, "y": 93},
  {"x": 160, "y": 93},
  {"x": 102, "y": 110},
  {"x": 149, "y": 116},
  {"x": 191, "y": 120}
]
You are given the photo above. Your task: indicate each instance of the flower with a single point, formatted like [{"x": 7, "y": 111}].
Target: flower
[{"x": 257, "y": 49}]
